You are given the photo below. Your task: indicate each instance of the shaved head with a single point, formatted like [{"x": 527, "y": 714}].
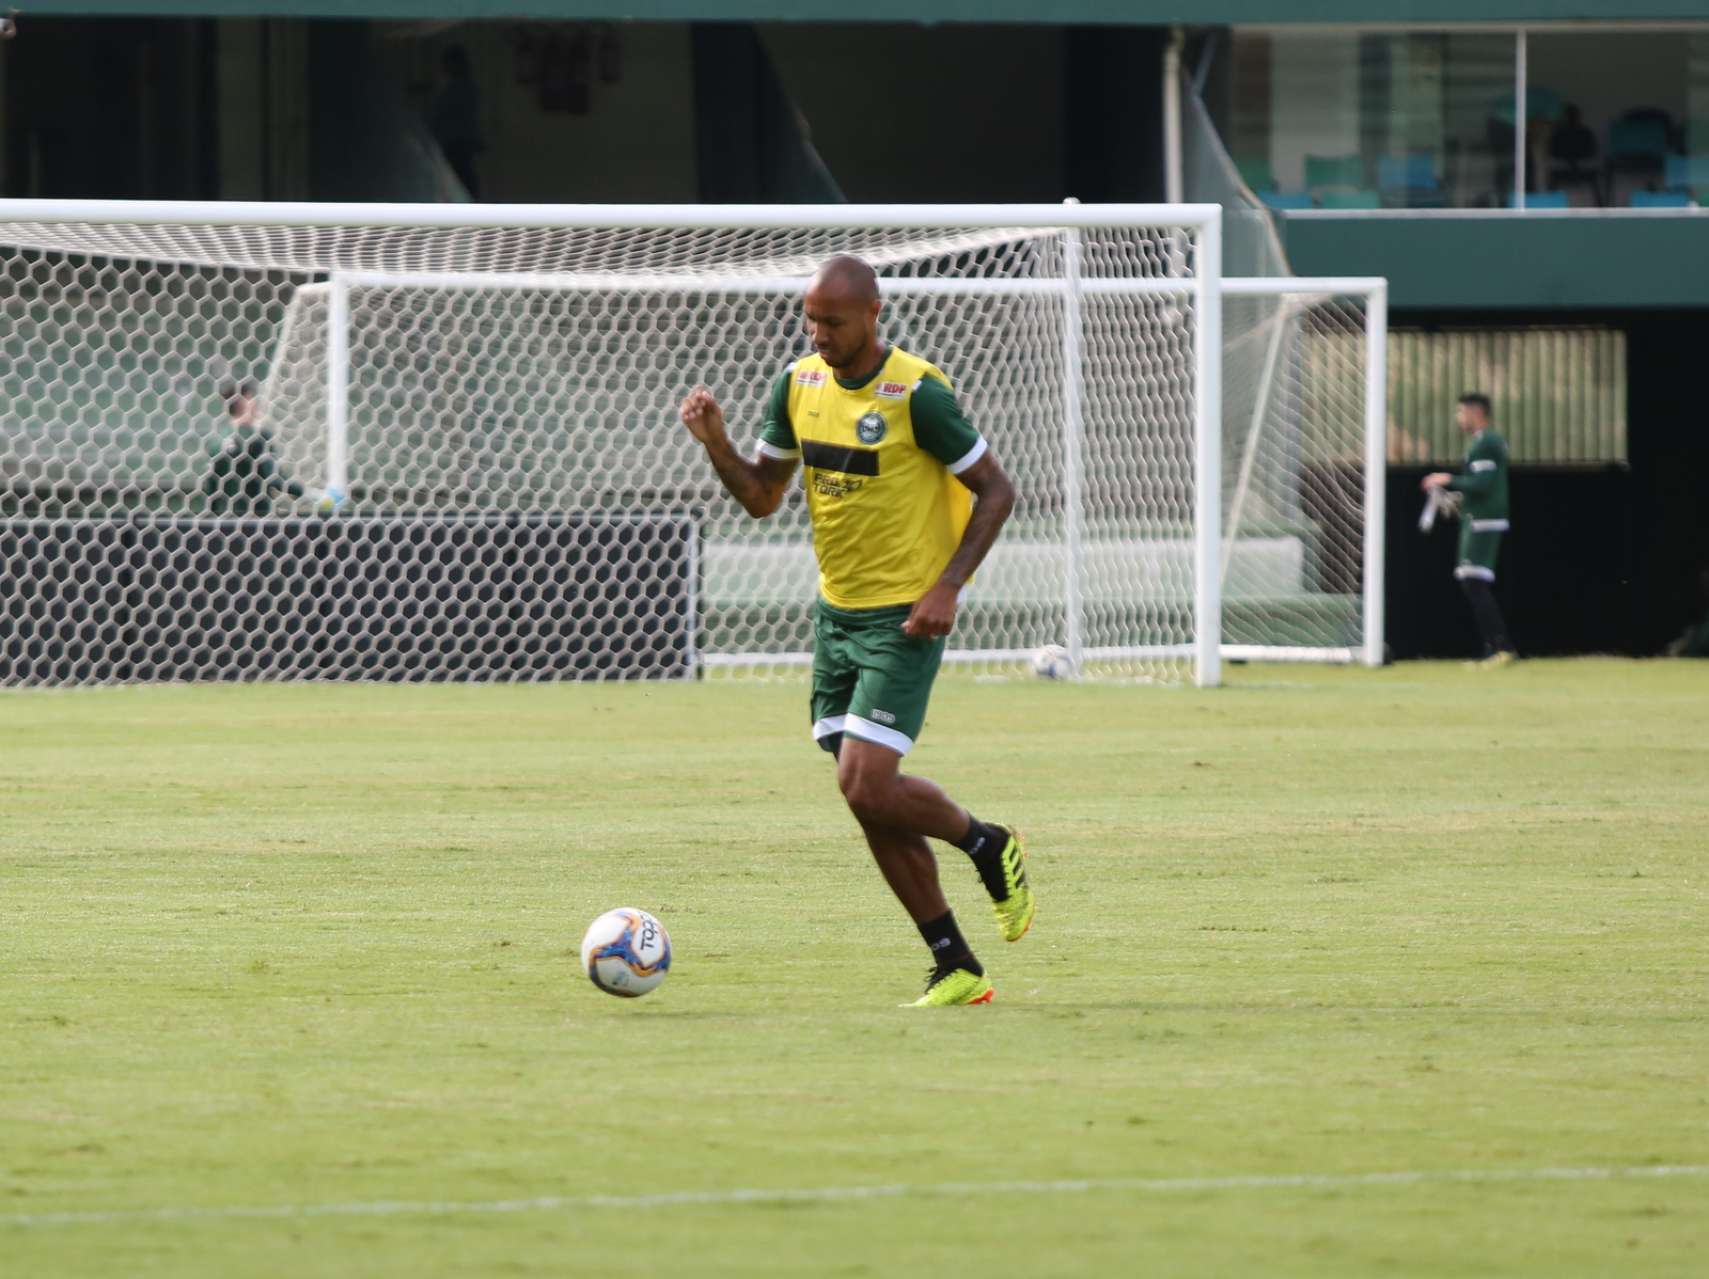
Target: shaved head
[
  {"x": 847, "y": 277},
  {"x": 841, "y": 308}
]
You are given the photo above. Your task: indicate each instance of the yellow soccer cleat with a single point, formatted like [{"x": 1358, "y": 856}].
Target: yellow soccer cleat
[
  {"x": 1495, "y": 661},
  {"x": 1016, "y": 910},
  {"x": 956, "y": 988}
]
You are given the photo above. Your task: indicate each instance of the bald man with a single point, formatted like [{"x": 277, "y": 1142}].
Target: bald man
[{"x": 905, "y": 499}]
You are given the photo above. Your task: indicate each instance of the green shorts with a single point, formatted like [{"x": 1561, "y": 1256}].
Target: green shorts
[
  {"x": 1479, "y": 548},
  {"x": 869, "y": 679}
]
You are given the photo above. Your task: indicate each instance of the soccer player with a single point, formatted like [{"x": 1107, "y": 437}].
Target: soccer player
[
  {"x": 246, "y": 475},
  {"x": 1482, "y": 522},
  {"x": 905, "y": 499}
]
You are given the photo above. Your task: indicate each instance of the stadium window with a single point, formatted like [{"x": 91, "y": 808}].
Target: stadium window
[
  {"x": 1357, "y": 119},
  {"x": 1349, "y": 119},
  {"x": 1620, "y": 114}
]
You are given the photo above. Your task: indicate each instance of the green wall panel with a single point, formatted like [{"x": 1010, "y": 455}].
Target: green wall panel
[
  {"x": 1136, "y": 12},
  {"x": 1514, "y": 261}
]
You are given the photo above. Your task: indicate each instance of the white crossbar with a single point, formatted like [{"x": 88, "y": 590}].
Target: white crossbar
[{"x": 624, "y": 216}]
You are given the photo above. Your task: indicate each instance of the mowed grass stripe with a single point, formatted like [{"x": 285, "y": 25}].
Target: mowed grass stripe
[{"x": 843, "y": 1194}]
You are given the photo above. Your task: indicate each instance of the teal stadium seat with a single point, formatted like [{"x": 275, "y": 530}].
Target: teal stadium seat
[
  {"x": 1258, "y": 176},
  {"x": 1686, "y": 173},
  {"x": 1639, "y": 142},
  {"x": 1350, "y": 200},
  {"x": 1409, "y": 181},
  {"x": 1334, "y": 171},
  {"x": 1638, "y": 136},
  {"x": 1660, "y": 200}
]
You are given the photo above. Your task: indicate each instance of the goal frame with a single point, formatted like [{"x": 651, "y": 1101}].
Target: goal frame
[
  {"x": 1373, "y": 292},
  {"x": 1204, "y": 289}
]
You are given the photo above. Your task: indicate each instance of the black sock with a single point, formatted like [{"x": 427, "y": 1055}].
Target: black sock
[
  {"x": 978, "y": 836},
  {"x": 949, "y": 948},
  {"x": 1491, "y": 629},
  {"x": 985, "y": 844}
]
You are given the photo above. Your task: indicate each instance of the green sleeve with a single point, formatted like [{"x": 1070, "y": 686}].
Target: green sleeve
[
  {"x": 272, "y": 472},
  {"x": 939, "y": 425},
  {"x": 1475, "y": 479},
  {"x": 777, "y": 430}
]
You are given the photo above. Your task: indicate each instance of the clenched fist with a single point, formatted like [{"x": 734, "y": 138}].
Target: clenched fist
[{"x": 702, "y": 416}]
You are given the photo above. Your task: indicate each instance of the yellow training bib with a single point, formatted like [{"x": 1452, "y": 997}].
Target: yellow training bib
[{"x": 887, "y": 515}]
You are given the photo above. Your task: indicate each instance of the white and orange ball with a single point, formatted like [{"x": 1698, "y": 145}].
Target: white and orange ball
[{"x": 626, "y": 952}]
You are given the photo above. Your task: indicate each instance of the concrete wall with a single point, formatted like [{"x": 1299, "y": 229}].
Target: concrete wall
[
  {"x": 240, "y": 94},
  {"x": 635, "y": 142},
  {"x": 914, "y": 114},
  {"x": 1498, "y": 259}
]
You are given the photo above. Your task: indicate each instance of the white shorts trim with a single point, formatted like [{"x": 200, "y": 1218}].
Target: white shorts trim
[
  {"x": 1482, "y": 464},
  {"x": 863, "y": 728},
  {"x": 763, "y": 449},
  {"x": 1474, "y": 570},
  {"x": 1489, "y": 526},
  {"x": 968, "y": 458}
]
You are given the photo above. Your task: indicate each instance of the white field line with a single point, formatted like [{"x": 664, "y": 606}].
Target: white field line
[{"x": 855, "y": 1194}]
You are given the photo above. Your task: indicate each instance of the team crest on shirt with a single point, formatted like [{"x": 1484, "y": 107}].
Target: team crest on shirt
[
  {"x": 871, "y": 428},
  {"x": 891, "y": 390}
]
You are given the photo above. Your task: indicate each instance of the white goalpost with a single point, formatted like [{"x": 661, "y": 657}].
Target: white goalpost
[
  {"x": 494, "y": 387},
  {"x": 1306, "y": 392}
]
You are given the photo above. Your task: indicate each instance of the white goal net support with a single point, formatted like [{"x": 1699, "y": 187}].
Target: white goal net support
[
  {"x": 1303, "y": 468},
  {"x": 495, "y": 391}
]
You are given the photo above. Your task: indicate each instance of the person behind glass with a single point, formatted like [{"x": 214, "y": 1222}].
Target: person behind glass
[
  {"x": 245, "y": 474},
  {"x": 1483, "y": 485},
  {"x": 1572, "y": 148}
]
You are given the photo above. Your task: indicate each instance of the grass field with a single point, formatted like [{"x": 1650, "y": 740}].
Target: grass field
[{"x": 288, "y": 983}]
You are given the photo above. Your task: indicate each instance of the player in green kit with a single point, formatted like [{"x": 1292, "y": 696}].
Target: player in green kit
[
  {"x": 1483, "y": 485},
  {"x": 905, "y": 500}
]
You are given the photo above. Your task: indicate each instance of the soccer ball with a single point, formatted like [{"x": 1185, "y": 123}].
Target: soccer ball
[
  {"x": 626, "y": 952},
  {"x": 1052, "y": 662}
]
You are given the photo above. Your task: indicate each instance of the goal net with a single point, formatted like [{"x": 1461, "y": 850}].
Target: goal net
[
  {"x": 1304, "y": 409},
  {"x": 495, "y": 391}
]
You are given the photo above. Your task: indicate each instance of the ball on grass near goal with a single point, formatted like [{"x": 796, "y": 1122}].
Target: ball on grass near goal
[
  {"x": 626, "y": 952},
  {"x": 1052, "y": 662}
]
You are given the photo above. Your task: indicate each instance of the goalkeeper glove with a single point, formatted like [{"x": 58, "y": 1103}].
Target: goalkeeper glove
[{"x": 1443, "y": 502}]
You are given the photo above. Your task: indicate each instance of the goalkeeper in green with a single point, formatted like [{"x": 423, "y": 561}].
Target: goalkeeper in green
[
  {"x": 245, "y": 476},
  {"x": 1483, "y": 520}
]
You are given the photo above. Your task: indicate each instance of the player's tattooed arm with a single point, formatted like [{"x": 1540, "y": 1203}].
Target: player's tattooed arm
[
  {"x": 757, "y": 483},
  {"x": 994, "y": 498}
]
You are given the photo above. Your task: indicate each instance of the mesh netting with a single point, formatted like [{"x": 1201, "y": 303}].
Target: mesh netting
[
  {"x": 1293, "y": 516},
  {"x": 1293, "y": 429},
  {"x": 1250, "y": 245},
  {"x": 499, "y": 402}
]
